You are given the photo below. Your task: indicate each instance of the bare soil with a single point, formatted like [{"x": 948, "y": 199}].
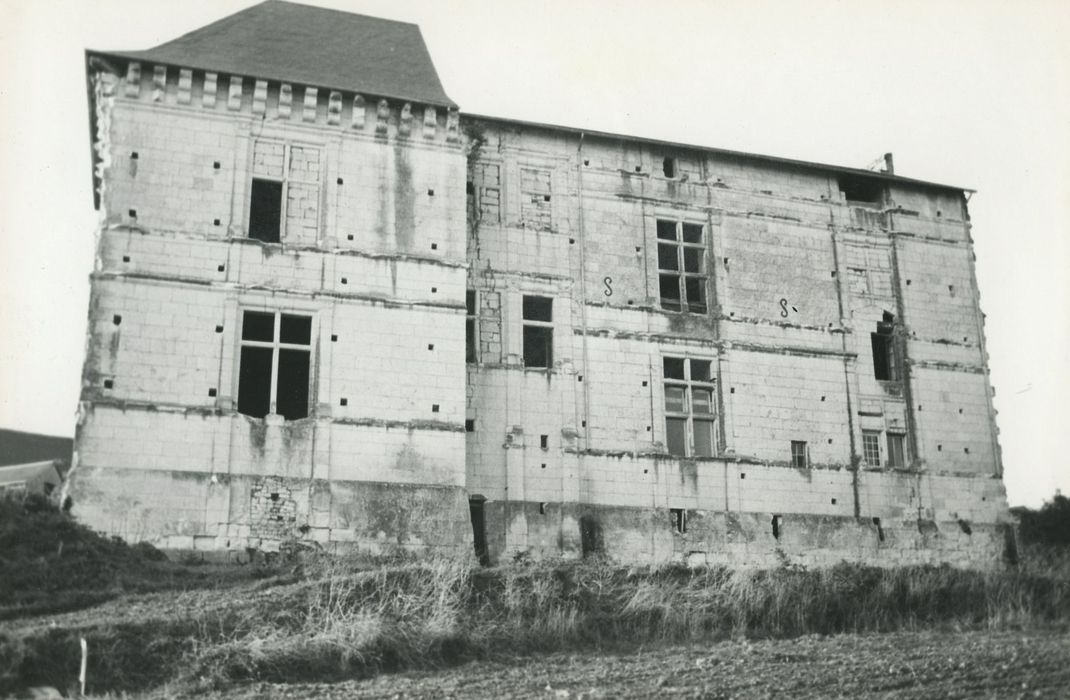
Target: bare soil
[{"x": 943, "y": 664}]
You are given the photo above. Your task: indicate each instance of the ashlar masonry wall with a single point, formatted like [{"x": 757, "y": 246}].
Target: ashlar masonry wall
[
  {"x": 814, "y": 459},
  {"x": 371, "y": 257}
]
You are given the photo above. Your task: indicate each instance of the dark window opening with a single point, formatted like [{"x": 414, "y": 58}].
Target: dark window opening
[
  {"x": 862, "y": 190},
  {"x": 265, "y": 210},
  {"x": 471, "y": 338},
  {"x": 668, "y": 167},
  {"x": 880, "y": 530},
  {"x": 296, "y": 330},
  {"x": 777, "y": 519},
  {"x": 254, "y": 382},
  {"x": 538, "y": 332},
  {"x": 670, "y": 292},
  {"x": 275, "y": 365},
  {"x": 799, "y": 457},
  {"x": 681, "y": 266},
  {"x": 538, "y": 309},
  {"x": 678, "y": 518},
  {"x": 469, "y": 425},
  {"x": 479, "y": 529},
  {"x": 544, "y": 441},
  {"x": 885, "y": 365},
  {"x": 538, "y": 347},
  {"x": 896, "y": 451},
  {"x": 258, "y": 326},
  {"x": 292, "y": 393}
]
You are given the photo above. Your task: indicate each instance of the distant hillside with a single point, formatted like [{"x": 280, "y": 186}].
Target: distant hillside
[{"x": 17, "y": 447}]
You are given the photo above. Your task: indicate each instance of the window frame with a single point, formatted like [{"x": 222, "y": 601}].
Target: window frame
[
  {"x": 800, "y": 449},
  {"x": 688, "y": 384},
  {"x": 285, "y": 180},
  {"x": 876, "y": 436},
  {"x": 680, "y": 246},
  {"x": 897, "y": 458},
  {"x": 536, "y": 323},
  {"x": 276, "y": 346}
]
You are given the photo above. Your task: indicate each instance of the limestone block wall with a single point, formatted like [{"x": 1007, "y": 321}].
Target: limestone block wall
[
  {"x": 795, "y": 278},
  {"x": 371, "y": 252}
]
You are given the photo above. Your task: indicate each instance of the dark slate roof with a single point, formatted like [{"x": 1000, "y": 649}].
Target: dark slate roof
[
  {"x": 20, "y": 448},
  {"x": 293, "y": 43},
  {"x": 743, "y": 155}
]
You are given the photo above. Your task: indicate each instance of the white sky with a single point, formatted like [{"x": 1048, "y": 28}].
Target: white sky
[{"x": 974, "y": 93}]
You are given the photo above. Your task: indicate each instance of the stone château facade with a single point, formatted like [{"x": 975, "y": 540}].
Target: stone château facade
[{"x": 329, "y": 308}]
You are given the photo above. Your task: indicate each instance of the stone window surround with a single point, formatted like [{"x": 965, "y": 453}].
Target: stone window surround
[
  {"x": 320, "y": 361},
  {"x": 682, "y": 267},
  {"x": 687, "y": 413},
  {"x": 286, "y": 140}
]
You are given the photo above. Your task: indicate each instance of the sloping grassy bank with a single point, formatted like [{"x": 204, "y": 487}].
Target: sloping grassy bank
[
  {"x": 150, "y": 622},
  {"x": 50, "y": 563},
  {"x": 338, "y": 622}
]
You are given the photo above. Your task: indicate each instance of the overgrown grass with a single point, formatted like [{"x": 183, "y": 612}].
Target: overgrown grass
[
  {"x": 50, "y": 563},
  {"x": 341, "y": 618}
]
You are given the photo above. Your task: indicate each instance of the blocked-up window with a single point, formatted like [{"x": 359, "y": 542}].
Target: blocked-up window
[
  {"x": 690, "y": 416},
  {"x": 871, "y": 447},
  {"x": 471, "y": 330},
  {"x": 885, "y": 357},
  {"x": 284, "y": 193},
  {"x": 485, "y": 189},
  {"x": 800, "y": 456},
  {"x": 274, "y": 369},
  {"x": 682, "y": 266},
  {"x": 858, "y": 278},
  {"x": 535, "y": 198},
  {"x": 538, "y": 332},
  {"x": 896, "y": 450}
]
